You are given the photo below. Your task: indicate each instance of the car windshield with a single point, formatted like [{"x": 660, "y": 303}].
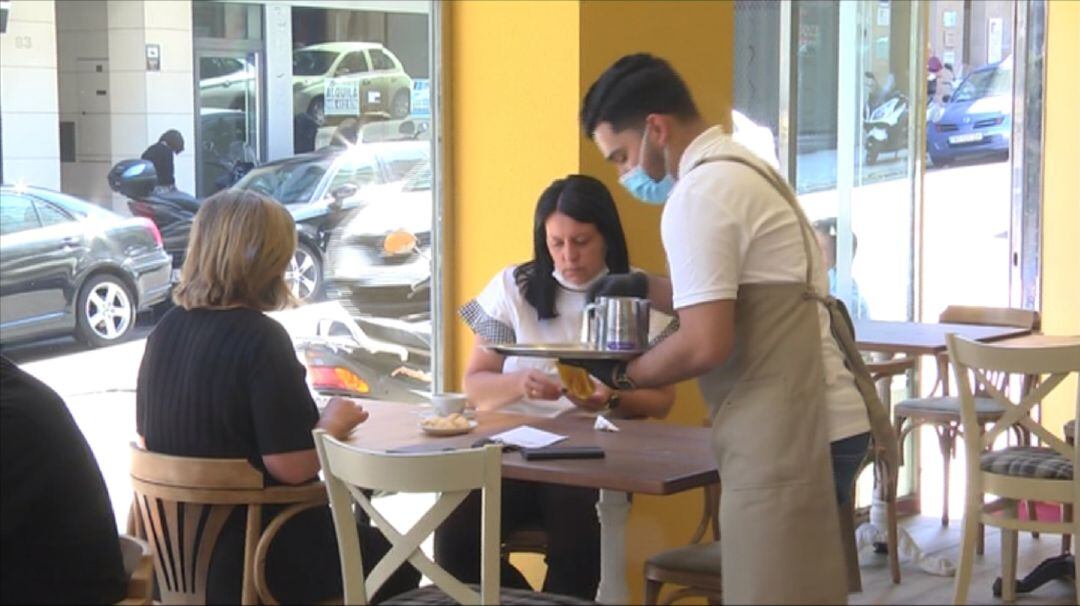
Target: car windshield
[
  {"x": 989, "y": 83},
  {"x": 312, "y": 62},
  {"x": 419, "y": 179},
  {"x": 287, "y": 182},
  {"x": 400, "y": 161}
]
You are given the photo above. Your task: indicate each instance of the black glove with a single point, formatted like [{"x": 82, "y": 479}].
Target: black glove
[
  {"x": 603, "y": 370},
  {"x": 634, "y": 284}
]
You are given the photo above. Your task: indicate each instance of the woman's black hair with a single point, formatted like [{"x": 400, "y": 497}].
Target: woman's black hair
[{"x": 583, "y": 199}]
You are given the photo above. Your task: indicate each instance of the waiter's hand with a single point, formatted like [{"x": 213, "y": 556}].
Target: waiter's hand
[
  {"x": 634, "y": 284},
  {"x": 535, "y": 385},
  {"x": 602, "y": 370},
  {"x": 595, "y": 402}
]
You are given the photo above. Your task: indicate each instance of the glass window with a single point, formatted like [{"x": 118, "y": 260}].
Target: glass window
[
  {"x": 381, "y": 61},
  {"x": 17, "y": 214},
  {"x": 359, "y": 169},
  {"x": 353, "y": 63},
  {"x": 226, "y": 20},
  {"x": 289, "y": 182},
  {"x": 50, "y": 215},
  {"x": 312, "y": 62}
]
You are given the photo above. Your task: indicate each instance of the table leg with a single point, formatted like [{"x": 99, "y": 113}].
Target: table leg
[{"x": 613, "y": 510}]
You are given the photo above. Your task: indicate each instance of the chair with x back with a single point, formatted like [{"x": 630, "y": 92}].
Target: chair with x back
[
  {"x": 1019, "y": 472},
  {"x": 349, "y": 471},
  {"x": 942, "y": 412}
]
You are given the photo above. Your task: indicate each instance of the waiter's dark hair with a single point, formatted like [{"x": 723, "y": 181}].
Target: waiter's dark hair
[
  {"x": 583, "y": 199},
  {"x": 631, "y": 89}
]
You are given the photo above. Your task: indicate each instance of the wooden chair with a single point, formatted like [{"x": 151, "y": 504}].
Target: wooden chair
[
  {"x": 139, "y": 568},
  {"x": 452, "y": 475},
  {"x": 1067, "y": 510},
  {"x": 943, "y": 411},
  {"x": 184, "y": 502},
  {"x": 694, "y": 567},
  {"x": 1015, "y": 473}
]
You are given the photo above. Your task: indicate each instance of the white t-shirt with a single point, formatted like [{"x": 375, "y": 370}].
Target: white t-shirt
[
  {"x": 500, "y": 314},
  {"x": 723, "y": 226}
]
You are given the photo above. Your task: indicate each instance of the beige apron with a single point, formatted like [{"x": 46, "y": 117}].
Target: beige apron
[{"x": 780, "y": 530}]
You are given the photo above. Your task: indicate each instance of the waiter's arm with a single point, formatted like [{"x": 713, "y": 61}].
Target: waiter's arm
[
  {"x": 660, "y": 294},
  {"x": 704, "y": 341}
]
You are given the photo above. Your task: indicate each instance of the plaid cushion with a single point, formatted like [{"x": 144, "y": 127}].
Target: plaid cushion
[
  {"x": 1027, "y": 462},
  {"x": 431, "y": 594}
]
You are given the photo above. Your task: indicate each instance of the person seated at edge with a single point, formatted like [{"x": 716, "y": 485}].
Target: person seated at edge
[
  {"x": 220, "y": 379},
  {"x": 577, "y": 238},
  {"x": 825, "y": 232},
  {"x": 59, "y": 540}
]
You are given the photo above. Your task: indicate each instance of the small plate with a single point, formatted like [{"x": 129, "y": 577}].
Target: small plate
[
  {"x": 564, "y": 351},
  {"x": 453, "y": 431}
]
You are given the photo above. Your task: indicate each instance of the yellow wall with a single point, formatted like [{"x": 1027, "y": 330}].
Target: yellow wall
[
  {"x": 1061, "y": 191},
  {"x": 513, "y": 82},
  {"x": 517, "y": 72}
]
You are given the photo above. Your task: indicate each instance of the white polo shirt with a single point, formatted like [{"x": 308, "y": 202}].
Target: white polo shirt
[{"x": 723, "y": 226}]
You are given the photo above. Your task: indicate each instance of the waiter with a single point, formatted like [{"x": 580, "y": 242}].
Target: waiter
[{"x": 757, "y": 327}]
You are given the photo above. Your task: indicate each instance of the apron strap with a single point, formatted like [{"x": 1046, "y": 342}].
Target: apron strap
[{"x": 842, "y": 328}]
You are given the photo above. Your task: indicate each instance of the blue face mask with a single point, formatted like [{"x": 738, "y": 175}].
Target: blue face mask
[{"x": 644, "y": 188}]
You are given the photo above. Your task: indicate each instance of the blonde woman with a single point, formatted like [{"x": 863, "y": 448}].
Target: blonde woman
[{"x": 220, "y": 379}]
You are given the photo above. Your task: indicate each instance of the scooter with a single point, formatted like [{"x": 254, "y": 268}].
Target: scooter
[
  {"x": 172, "y": 212},
  {"x": 886, "y": 126}
]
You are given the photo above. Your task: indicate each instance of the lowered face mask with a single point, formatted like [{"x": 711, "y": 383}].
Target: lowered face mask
[
  {"x": 568, "y": 285},
  {"x": 643, "y": 187}
]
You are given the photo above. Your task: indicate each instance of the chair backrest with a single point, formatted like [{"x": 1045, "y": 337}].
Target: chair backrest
[
  {"x": 973, "y": 362},
  {"x": 453, "y": 475},
  {"x": 183, "y": 503},
  {"x": 991, "y": 316},
  {"x": 139, "y": 568}
]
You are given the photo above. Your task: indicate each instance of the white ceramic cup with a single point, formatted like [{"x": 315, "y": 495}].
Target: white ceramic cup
[{"x": 446, "y": 404}]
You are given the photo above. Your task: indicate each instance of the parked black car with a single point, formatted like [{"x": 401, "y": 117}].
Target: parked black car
[{"x": 67, "y": 265}]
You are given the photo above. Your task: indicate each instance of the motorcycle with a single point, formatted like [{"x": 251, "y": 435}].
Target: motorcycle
[
  {"x": 172, "y": 212},
  {"x": 886, "y": 125}
]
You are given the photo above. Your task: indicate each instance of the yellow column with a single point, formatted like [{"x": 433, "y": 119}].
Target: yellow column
[
  {"x": 697, "y": 38},
  {"x": 1061, "y": 192},
  {"x": 517, "y": 72}
]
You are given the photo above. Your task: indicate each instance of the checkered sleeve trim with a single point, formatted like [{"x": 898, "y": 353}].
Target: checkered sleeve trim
[{"x": 484, "y": 326}]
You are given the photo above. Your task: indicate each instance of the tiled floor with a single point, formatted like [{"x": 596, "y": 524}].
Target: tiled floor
[{"x": 918, "y": 587}]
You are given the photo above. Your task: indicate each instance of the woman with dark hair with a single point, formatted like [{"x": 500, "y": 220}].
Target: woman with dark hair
[{"x": 577, "y": 239}]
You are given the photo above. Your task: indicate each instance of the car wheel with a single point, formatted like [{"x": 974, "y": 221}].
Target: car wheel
[
  {"x": 105, "y": 312},
  {"x": 402, "y": 104},
  {"x": 304, "y": 274},
  {"x": 317, "y": 110}
]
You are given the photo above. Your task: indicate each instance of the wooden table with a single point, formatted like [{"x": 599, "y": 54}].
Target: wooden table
[
  {"x": 644, "y": 457},
  {"x": 916, "y": 338}
]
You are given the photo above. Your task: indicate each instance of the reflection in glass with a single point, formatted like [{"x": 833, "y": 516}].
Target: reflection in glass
[{"x": 228, "y": 118}]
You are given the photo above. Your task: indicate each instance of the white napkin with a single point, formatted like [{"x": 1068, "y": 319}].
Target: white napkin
[
  {"x": 603, "y": 424},
  {"x": 526, "y": 436}
]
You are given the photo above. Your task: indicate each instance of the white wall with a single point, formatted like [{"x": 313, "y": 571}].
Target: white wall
[
  {"x": 82, "y": 47},
  {"x": 28, "y": 95},
  {"x": 144, "y": 104}
]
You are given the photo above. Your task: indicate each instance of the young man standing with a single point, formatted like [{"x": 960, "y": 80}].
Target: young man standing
[{"x": 756, "y": 327}]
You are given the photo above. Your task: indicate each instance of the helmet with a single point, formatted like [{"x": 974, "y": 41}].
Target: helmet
[{"x": 934, "y": 65}]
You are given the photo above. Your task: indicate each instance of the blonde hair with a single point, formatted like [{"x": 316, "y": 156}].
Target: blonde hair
[{"x": 241, "y": 243}]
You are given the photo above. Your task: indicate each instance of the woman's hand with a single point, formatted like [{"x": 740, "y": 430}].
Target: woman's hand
[
  {"x": 536, "y": 385},
  {"x": 597, "y": 401},
  {"x": 340, "y": 416}
]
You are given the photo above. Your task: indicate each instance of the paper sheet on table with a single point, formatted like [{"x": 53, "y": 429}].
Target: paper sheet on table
[
  {"x": 548, "y": 409},
  {"x": 528, "y": 437}
]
